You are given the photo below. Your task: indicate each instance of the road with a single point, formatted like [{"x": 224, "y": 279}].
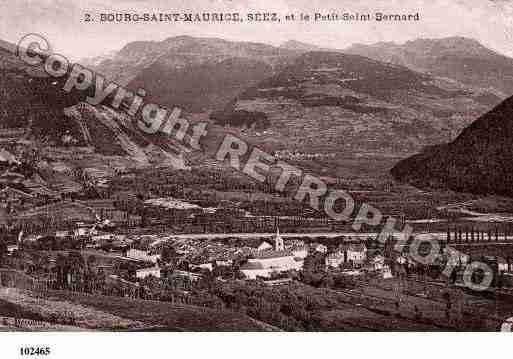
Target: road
[{"x": 353, "y": 235}]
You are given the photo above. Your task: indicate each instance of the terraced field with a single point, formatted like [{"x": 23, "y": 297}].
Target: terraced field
[{"x": 94, "y": 312}]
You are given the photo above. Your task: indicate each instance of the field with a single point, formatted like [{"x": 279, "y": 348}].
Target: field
[
  {"x": 8, "y": 309},
  {"x": 166, "y": 316},
  {"x": 113, "y": 313}
]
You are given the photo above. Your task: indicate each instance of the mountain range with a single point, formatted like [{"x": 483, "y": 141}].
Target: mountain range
[
  {"x": 354, "y": 107},
  {"x": 206, "y": 74},
  {"x": 300, "y": 97},
  {"x": 184, "y": 51},
  {"x": 459, "y": 58},
  {"x": 162, "y": 68}
]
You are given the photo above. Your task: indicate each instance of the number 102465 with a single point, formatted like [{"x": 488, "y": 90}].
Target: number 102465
[{"x": 34, "y": 351}]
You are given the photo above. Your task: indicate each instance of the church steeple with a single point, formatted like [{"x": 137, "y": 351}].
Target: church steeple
[{"x": 278, "y": 241}]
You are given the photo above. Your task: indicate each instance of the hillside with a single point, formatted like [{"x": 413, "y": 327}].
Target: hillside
[
  {"x": 462, "y": 59},
  {"x": 96, "y": 312},
  {"x": 53, "y": 117},
  {"x": 33, "y": 101},
  {"x": 355, "y": 107},
  {"x": 479, "y": 160},
  {"x": 200, "y": 87},
  {"x": 198, "y": 74}
]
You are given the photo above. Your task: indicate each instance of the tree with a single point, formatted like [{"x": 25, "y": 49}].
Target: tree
[
  {"x": 3, "y": 251},
  {"x": 328, "y": 281},
  {"x": 76, "y": 269},
  {"x": 76, "y": 260},
  {"x": 418, "y": 314},
  {"x": 62, "y": 269},
  {"x": 152, "y": 284},
  {"x": 91, "y": 263},
  {"x": 42, "y": 263},
  {"x": 168, "y": 254}
]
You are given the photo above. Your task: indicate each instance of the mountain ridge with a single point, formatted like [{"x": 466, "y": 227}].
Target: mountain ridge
[
  {"x": 352, "y": 106},
  {"x": 463, "y": 59},
  {"x": 180, "y": 51}
]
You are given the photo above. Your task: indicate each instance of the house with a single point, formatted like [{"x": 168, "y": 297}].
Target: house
[
  {"x": 188, "y": 275},
  {"x": 317, "y": 247},
  {"x": 142, "y": 255},
  {"x": 455, "y": 258},
  {"x": 100, "y": 237},
  {"x": 11, "y": 248},
  {"x": 277, "y": 282},
  {"x": 378, "y": 262},
  {"x": 356, "y": 253},
  {"x": 406, "y": 259},
  {"x": 335, "y": 259},
  {"x": 62, "y": 234},
  {"x": 207, "y": 266},
  {"x": 33, "y": 237},
  {"x": 502, "y": 265},
  {"x": 275, "y": 262},
  {"x": 145, "y": 272},
  {"x": 84, "y": 230},
  {"x": 401, "y": 259},
  {"x": 300, "y": 252},
  {"x": 253, "y": 270},
  {"x": 264, "y": 246},
  {"x": 353, "y": 253},
  {"x": 224, "y": 262},
  {"x": 387, "y": 272}
]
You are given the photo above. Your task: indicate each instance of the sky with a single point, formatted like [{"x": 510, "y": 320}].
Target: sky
[{"x": 62, "y": 22}]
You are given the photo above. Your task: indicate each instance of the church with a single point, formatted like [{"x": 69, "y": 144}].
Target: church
[{"x": 268, "y": 259}]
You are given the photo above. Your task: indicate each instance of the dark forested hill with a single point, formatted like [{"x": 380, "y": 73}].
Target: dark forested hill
[{"x": 479, "y": 160}]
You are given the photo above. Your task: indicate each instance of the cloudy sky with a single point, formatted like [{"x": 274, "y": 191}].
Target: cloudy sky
[{"x": 61, "y": 22}]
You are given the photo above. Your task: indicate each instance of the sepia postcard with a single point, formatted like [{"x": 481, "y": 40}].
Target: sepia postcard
[{"x": 255, "y": 166}]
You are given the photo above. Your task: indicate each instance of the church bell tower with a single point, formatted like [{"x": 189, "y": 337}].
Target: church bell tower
[{"x": 278, "y": 241}]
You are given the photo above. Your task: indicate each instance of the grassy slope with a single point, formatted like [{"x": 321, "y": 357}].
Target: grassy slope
[
  {"x": 165, "y": 315},
  {"x": 8, "y": 309}
]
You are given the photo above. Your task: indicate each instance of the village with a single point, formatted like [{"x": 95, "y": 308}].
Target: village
[{"x": 194, "y": 236}]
